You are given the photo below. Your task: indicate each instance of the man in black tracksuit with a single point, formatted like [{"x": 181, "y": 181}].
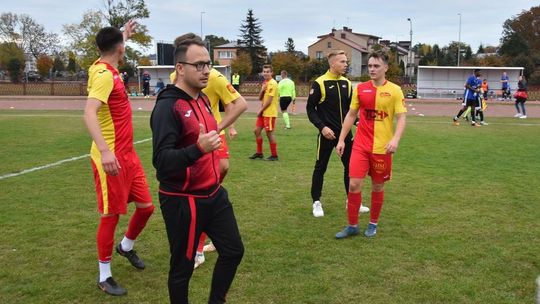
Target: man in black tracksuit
[
  {"x": 327, "y": 105},
  {"x": 185, "y": 140}
]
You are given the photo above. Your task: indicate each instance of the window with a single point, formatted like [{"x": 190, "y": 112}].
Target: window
[
  {"x": 225, "y": 54},
  {"x": 319, "y": 55},
  {"x": 329, "y": 44}
]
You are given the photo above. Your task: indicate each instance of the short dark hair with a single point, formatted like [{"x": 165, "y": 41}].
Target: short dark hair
[
  {"x": 108, "y": 38},
  {"x": 477, "y": 71},
  {"x": 379, "y": 55},
  {"x": 182, "y": 43},
  {"x": 284, "y": 73},
  {"x": 268, "y": 66}
]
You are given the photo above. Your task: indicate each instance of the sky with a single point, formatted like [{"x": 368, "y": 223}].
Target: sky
[{"x": 432, "y": 21}]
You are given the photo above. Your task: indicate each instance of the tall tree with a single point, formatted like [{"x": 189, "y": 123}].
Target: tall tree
[
  {"x": 119, "y": 12},
  {"x": 82, "y": 36},
  {"x": 44, "y": 64},
  {"x": 27, "y": 33},
  {"x": 521, "y": 33},
  {"x": 58, "y": 65},
  {"x": 242, "y": 64},
  {"x": 251, "y": 37},
  {"x": 289, "y": 45},
  {"x": 289, "y": 62}
]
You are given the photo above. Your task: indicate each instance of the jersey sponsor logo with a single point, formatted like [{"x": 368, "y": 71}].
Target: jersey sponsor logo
[
  {"x": 344, "y": 86},
  {"x": 372, "y": 114},
  {"x": 331, "y": 87},
  {"x": 379, "y": 165},
  {"x": 188, "y": 113},
  {"x": 385, "y": 94},
  {"x": 231, "y": 88},
  {"x": 367, "y": 91}
]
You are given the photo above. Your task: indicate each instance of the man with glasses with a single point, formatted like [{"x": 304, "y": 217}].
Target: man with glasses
[{"x": 185, "y": 142}]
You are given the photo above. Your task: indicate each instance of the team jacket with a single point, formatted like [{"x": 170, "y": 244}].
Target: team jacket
[
  {"x": 182, "y": 168},
  {"x": 328, "y": 102}
]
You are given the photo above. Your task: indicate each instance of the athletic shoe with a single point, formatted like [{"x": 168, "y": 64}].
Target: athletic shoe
[
  {"x": 371, "y": 230},
  {"x": 518, "y": 115},
  {"x": 348, "y": 231},
  {"x": 474, "y": 124},
  {"x": 287, "y": 128},
  {"x": 455, "y": 122},
  {"x": 131, "y": 256},
  {"x": 272, "y": 158},
  {"x": 199, "y": 259},
  {"x": 111, "y": 287},
  {"x": 256, "y": 155},
  {"x": 317, "y": 209},
  {"x": 363, "y": 209},
  {"x": 209, "y": 248},
  {"x": 483, "y": 123},
  {"x": 523, "y": 117}
]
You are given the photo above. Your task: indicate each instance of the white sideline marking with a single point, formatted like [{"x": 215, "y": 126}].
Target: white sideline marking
[{"x": 67, "y": 160}]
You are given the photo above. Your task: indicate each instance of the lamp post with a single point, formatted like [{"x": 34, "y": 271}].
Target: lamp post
[
  {"x": 411, "y": 66},
  {"x": 459, "y": 40},
  {"x": 201, "y": 26}
]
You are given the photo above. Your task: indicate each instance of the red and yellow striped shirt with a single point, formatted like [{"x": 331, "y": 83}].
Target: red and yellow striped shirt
[{"x": 376, "y": 109}]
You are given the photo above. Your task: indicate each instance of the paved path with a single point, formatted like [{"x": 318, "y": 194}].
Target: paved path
[{"x": 432, "y": 107}]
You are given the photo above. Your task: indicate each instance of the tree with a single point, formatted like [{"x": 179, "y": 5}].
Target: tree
[
  {"x": 144, "y": 60},
  {"x": 72, "y": 66},
  {"x": 44, "y": 64},
  {"x": 119, "y": 12},
  {"x": 81, "y": 37},
  {"x": 58, "y": 65},
  {"x": 15, "y": 67},
  {"x": 28, "y": 34},
  {"x": 250, "y": 31},
  {"x": 289, "y": 62},
  {"x": 480, "y": 49},
  {"x": 8, "y": 51},
  {"x": 521, "y": 33},
  {"x": 315, "y": 68},
  {"x": 289, "y": 45},
  {"x": 242, "y": 64}
]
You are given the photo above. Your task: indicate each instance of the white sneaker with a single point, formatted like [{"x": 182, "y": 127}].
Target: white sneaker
[
  {"x": 363, "y": 209},
  {"x": 523, "y": 117},
  {"x": 199, "y": 259},
  {"x": 317, "y": 209},
  {"x": 209, "y": 248},
  {"x": 517, "y": 115},
  {"x": 483, "y": 123}
]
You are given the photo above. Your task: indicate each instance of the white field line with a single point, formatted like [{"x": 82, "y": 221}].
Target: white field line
[{"x": 63, "y": 161}]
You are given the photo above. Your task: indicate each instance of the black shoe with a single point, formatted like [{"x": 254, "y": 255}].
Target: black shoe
[
  {"x": 131, "y": 256},
  {"x": 256, "y": 155},
  {"x": 272, "y": 158},
  {"x": 111, "y": 287}
]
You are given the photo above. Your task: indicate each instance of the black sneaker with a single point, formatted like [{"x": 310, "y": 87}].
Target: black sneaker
[
  {"x": 256, "y": 155},
  {"x": 111, "y": 287},
  {"x": 131, "y": 256},
  {"x": 272, "y": 158}
]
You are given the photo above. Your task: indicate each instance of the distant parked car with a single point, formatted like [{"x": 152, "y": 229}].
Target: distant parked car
[{"x": 33, "y": 76}]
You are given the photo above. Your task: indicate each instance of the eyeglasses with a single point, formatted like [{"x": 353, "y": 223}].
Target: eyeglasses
[{"x": 199, "y": 65}]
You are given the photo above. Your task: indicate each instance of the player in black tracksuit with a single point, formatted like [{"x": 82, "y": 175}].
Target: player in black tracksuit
[
  {"x": 327, "y": 106},
  {"x": 192, "y": 199}
]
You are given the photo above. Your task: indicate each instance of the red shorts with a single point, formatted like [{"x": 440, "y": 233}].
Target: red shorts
[
  {"x": 268, "y": 123},
  {"x": 378, "y": 166},
  {"x": 223, "y": 151},
  {"x": 115, "y": 192}
]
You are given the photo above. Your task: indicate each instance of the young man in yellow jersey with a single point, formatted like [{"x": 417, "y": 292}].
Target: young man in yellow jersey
[
  {"x": 266, "y": 117},
  {"x": 376, "y": 103}
]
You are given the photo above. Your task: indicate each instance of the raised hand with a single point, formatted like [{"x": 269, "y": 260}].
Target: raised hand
[{"x": 208, "y": 141}]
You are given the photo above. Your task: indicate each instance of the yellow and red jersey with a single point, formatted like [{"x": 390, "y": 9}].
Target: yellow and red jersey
[
  {"x": 219, "y": 89},
  {"x": 376, "y": 109},
  {"x": 114, "y": 116},
  {"x": 271, "y": 91}
]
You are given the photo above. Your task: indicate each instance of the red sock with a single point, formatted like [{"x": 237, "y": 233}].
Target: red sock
[
  {"x": 105, "y": 237},
  {"x": 354, "y": 200},
  {"x": 377, "y": 199},
  {"x": 202, "y": 239},
  {"x": 259, "y": 145},
  {"x": 138, "y": 221},
  {"x": 273, "y": 148}
]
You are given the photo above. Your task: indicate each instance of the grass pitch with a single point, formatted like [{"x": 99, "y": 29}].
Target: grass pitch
[{"x": 460, "y": 222}]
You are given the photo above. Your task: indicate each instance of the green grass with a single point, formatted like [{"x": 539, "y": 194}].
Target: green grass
[{"x": 460, "y": 222}]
